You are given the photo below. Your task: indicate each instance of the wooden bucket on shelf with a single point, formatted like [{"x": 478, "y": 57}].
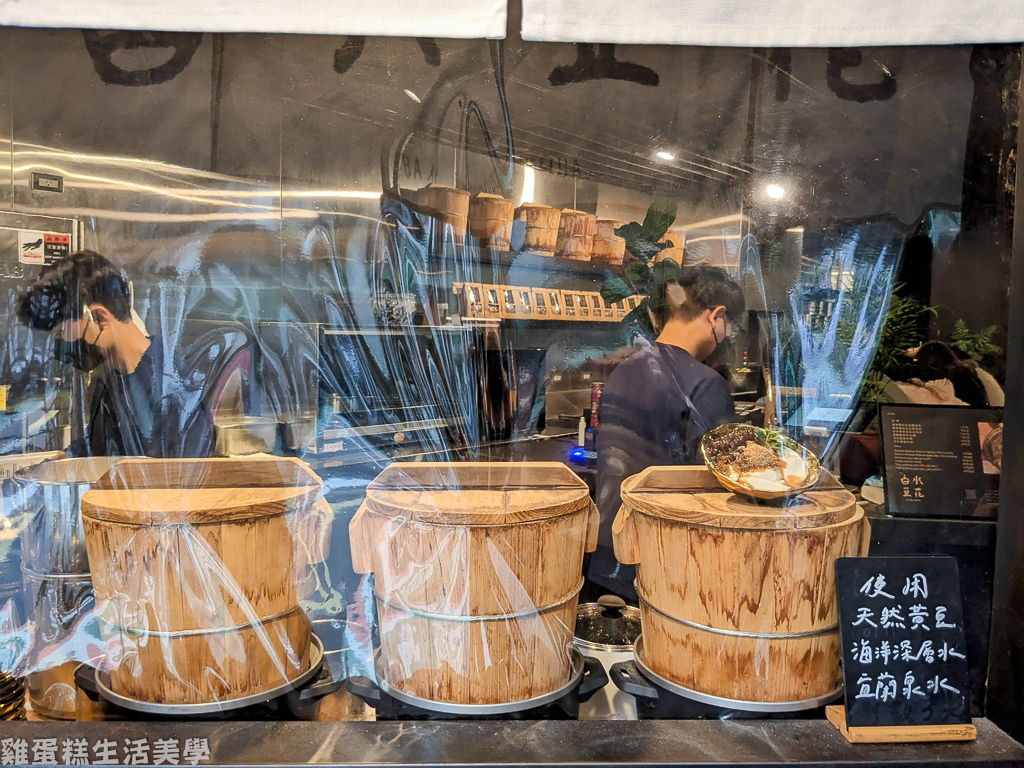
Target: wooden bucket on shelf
[
  {"x": 477, "y": 569},
  {"x": 576, "y": 231},
  {"x": 608, "y": 246},
  {"x": 490, "y": 220},
  {"x": 449, "y": 206},
  {"x": 539, "y": 227},
  {"x": 199, "y": 567},
  {"x": 738, "y": 598}
]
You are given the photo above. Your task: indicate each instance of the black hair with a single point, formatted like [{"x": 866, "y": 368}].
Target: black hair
[
  {"x": 706, "y": 288},
  {"x": 937, "y": 360},
  {"x": 63, "y": 290}
]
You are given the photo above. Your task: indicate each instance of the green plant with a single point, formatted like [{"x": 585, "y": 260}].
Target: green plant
[
  {"x": 771, "y": 438},
  {"x": 642, "y": 239},
  {"x": 642, "y": 276},
  {"x": 977, "y": 345},
  {"x": 905, "y": 327}
]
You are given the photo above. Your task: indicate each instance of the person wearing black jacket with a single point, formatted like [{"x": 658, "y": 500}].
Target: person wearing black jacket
[
  {"x": 659, "y": 403},
  {"x": 140, "y": 403}
]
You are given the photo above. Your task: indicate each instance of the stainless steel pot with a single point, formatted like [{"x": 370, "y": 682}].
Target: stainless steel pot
[
  {"x": 55, "y": 568},
  {"x": 606, "y": 630},
  {"x": 50, "y": 501}
]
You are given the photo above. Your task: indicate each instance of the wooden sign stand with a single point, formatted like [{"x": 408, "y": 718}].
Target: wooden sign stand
[{"x": 896, "y": 734}]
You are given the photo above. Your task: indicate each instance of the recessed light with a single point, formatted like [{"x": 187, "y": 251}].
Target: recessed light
[
  {"x": 665, "y": 155},
  {"x": 413, "y": 96}
]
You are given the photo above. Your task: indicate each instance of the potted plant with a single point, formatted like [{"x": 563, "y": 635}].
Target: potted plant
[{"x": 644, "y": 274}]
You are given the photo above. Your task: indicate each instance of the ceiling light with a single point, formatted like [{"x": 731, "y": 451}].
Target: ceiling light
[
  {"x": 775, "y": 191},
  {"x": 666, "y": 156},
  {"x": 413, "y": 96},
  {"x": 529, "y": 181}
]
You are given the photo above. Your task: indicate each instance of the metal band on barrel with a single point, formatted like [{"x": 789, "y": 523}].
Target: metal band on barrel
[
  {"x": 734, "y": 632},
  {"x": 193, "y": 632},
  {"x": 482, "y": 617},
  {"x": 36, "y": 576}
]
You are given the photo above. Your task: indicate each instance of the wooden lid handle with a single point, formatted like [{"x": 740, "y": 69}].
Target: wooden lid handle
[{"x": 624, "y": 537}]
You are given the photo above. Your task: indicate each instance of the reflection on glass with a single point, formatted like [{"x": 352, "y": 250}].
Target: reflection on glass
[{"x": 312, "y": 308}]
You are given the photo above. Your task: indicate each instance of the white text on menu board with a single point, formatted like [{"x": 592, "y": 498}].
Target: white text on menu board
[{"x": 913, "y": 615}]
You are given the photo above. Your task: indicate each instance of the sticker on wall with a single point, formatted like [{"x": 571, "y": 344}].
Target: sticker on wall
[{"x": 42, "y": 248}]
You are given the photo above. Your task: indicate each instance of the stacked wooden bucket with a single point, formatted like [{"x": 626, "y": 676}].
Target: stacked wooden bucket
[
  {"x": 533, "y": 228},
  {"x": 539, "y": 226},
  {"x": 199, "y": 566},
  {"x": 477, "y": 569},
  {"x": 576, "y": 231},
  {"x": 608, "y": 246},
  {"x": 490, "y": 220},
  {"x": 737, "y": 598},
  {"x": 447, "y": 205}
]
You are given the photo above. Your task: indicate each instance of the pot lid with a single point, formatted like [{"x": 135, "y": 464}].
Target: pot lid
[
  {"x": 197, "y": 491},
  {"x": 477, "y": 493},
  {"x": 692, "y": 494},
  {"x": 608, "y": 624}
]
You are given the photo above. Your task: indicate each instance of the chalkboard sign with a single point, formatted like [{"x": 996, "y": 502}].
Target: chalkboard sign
[
  {"x": 901, "y": 627},
  {"x": 941, "y": 461}
]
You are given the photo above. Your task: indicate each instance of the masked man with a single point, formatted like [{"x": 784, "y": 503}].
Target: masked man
[
  {"x": 659, "y": 403},
  {"x": 138, "y": 405}
]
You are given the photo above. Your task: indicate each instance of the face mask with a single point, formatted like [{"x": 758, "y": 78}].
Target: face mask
[
  {"x": 81, "y": 354},
  {"x": 724, "y": 352}
]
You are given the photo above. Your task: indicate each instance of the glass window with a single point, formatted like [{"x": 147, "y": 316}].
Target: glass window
[{"x": 376, "y": 368}]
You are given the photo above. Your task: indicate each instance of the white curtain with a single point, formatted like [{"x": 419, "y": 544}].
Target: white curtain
[
  {"x": 775, "y": 23},
  {"x": 396, "y": 18}
]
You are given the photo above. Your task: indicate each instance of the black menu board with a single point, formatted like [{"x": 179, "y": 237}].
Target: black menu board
[
  {"x": 941, "y": 461},
  {"x": 901, "y": 626}
]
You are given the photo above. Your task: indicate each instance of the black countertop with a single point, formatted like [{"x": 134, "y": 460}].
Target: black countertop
[{"x": 663, "y": 742}]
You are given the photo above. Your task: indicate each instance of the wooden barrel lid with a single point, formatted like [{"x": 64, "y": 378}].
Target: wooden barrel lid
[
  {"x": 691, "y": 494},
  {"x": 476, "y": 493},
  {"x": 198, "y": 491}
]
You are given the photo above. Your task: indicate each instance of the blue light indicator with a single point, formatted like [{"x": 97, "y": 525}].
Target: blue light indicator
[{"x": 581, "y": 455}]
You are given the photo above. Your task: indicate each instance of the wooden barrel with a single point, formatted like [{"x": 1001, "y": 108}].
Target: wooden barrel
[
  {"x": 449, "y": 206},
  {"x": 576, "y": 231},
  {"x": 490, "y": 220},
  {"x": 539, "y": 226},
  {"x": 477, "y": 568},
  {"x": 608, "y": 246},
  {"x": 737, "y": 598},
  {"x": 204, "y": 563}
]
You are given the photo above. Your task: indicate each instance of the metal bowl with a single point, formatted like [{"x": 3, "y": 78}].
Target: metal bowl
[{"x": 744, "y": 433}]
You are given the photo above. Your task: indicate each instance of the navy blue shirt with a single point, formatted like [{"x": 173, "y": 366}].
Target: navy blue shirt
[
  {"x": 153, "y": 411},
  {"x": 655, "y": 408}
]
